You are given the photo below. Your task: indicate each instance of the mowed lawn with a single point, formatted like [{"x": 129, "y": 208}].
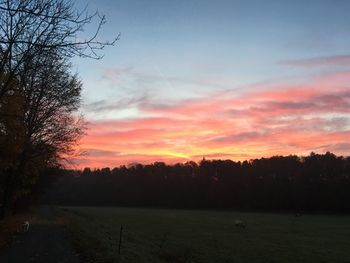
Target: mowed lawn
[{"x": 157, "y": 235}]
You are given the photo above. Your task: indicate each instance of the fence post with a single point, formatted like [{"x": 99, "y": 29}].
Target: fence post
[
  {"x": 162, "y": 242},
  {"x": 120, "y": 239}
]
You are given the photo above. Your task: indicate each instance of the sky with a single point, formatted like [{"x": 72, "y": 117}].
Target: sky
[{"x": 216, "y": 79}]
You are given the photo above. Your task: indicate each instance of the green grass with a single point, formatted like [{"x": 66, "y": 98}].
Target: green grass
[{"x": 152, "y": 235}]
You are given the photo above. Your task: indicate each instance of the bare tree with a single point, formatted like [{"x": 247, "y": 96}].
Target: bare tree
[
  {"x": 39, "y": 97},
  {"x": 30, "y": 28}
]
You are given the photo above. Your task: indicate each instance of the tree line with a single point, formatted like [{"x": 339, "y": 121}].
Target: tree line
[{"x": 313, "y": 183}]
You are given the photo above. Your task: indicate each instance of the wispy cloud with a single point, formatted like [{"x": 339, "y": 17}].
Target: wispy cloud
[
  {"x": 110, "y": 105},
  {"x": 340, "y": 60},
  {"x": 115, "y": 74}
]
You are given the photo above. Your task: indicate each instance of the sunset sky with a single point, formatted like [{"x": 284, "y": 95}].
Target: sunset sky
[{"x": 216, "y": 79}]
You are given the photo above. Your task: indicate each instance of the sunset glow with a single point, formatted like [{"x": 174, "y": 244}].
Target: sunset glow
[
  {"x": 176, "y": 109},
  {"x": 295, "y": 119}
]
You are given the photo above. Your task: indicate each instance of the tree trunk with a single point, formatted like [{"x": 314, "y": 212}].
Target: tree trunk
[
  {"x": 7, "y": 195},
  {"x": 10, "y": 185}
]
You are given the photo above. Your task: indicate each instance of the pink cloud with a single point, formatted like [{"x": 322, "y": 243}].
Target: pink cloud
[{"x": 267, "y": 120}]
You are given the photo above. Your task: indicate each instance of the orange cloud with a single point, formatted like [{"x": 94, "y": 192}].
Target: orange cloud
[{"x": 261, "y": 121}]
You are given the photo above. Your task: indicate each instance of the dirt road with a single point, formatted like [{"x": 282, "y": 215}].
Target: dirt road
[{"x": 45, "y": 242}]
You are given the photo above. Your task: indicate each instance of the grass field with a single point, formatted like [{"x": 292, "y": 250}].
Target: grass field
[{"x": 152, "y": 235}]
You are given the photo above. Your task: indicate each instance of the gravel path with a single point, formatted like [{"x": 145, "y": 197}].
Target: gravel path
[{"x": 45, "y": 242}]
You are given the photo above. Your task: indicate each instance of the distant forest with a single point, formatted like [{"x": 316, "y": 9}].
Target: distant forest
[{"x": 314, "y": 183}]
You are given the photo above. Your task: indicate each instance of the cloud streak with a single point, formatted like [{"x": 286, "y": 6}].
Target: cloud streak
[{"x": 341, "y": 60}]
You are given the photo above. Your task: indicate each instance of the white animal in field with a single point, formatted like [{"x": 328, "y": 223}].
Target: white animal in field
[
  {"x": 240, "y": 223},
  {"x": 25, "y": 226}
]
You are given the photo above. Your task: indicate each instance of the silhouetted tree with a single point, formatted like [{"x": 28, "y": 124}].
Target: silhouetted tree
[
  {"x": 32, "y": 28},
  {"x": 47, "y": 127},
  {"x": 37, "y": 39}
]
